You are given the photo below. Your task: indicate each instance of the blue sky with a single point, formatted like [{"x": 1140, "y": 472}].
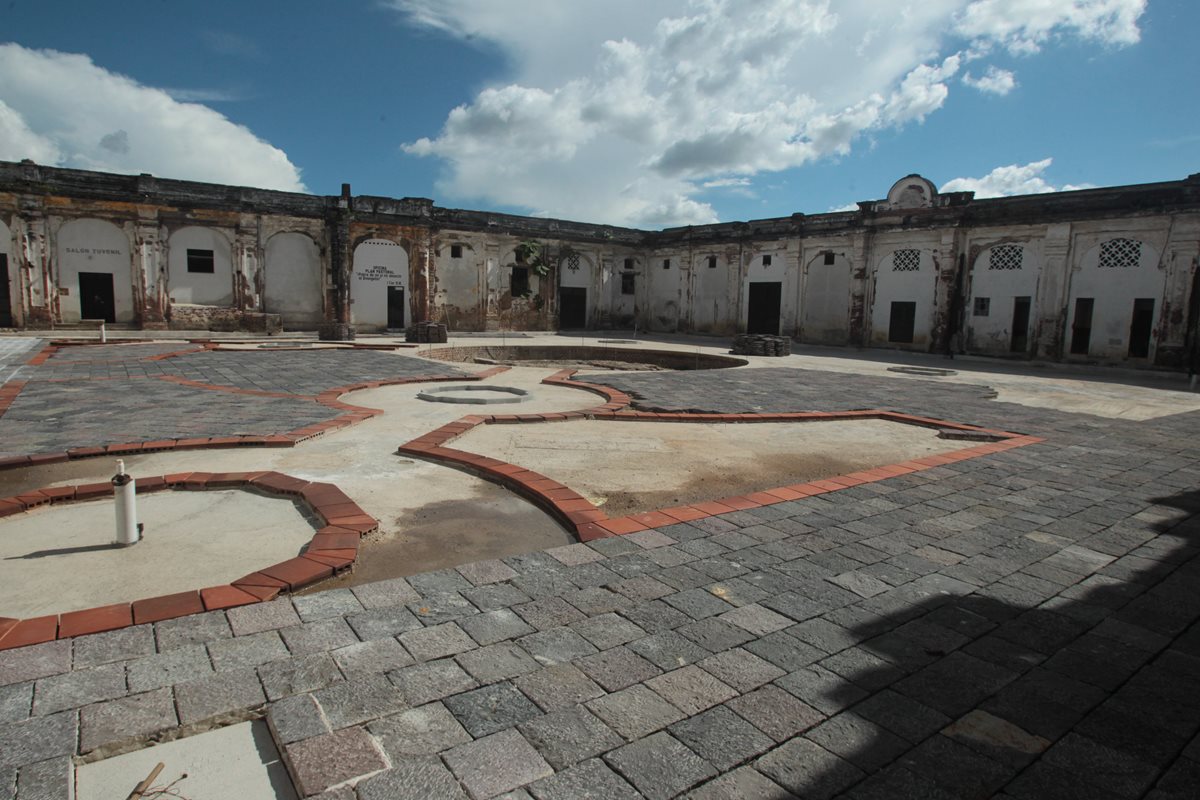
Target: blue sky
[{"x": 639, "y": 112}]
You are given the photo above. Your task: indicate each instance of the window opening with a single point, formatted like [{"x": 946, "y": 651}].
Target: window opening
[
  {"x": 519, "y": 282},
  {"x": 666, "y": 263},
  {"x": 1006, "y": 256},
  {"x": 1120, "y": 253},
  {"x": 766, "y": 261},
  {"x": 829, "y": 258},
  {"x": 1020, "y": 325},
  {"x": 201, "y": 261},
  {"x": 456, "y": 251},
  {"x": 627, "y": 282},
  {"x": 902, "y": 322},
  {"x": 712, "y": 262},
  {"x": 982, "y": 306},
  {"x": 629, "y": 263},
  {"x": 906, "y": 261}
]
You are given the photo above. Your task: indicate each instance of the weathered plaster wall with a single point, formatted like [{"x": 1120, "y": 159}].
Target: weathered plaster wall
[
  {"x": 294, "y": 281},
  {"x": 894, "y": 285},
  {"x": 1006, "y": 265},
  {"x": 92, "y": 246},
  {"x": 825, "y": 301},
  {"x": 378, "y": 264},
  {"x": 215, "y": 288}
]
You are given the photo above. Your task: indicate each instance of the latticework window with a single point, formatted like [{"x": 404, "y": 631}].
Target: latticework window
[
  {"x": 1006, "y": 256},
  {"x": 573, "y": 262},
  {"x": 1119, "y": 253},
  {"x": 906, "y": 261}
]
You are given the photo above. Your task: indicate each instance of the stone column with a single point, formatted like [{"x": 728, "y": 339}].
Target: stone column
[
  {"x": 1053, "y": 290},
  {"x": 149, "y": 270}
]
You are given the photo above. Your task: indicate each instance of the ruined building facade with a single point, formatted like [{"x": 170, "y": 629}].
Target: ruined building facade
[{"x": 1106, "y": 275}]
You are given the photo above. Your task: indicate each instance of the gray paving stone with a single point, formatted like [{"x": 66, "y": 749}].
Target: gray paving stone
[
  {"x": 714, "y": 635},
  {"x": 16, "y": 702},
  {"x": 650, "y": 539},
  {"x": 902, "y": 715},
  {"x": 607, "y": 630},
  {"x": 166, "y": 669},
  {"x": 549, "y": 612},
  {"x": 668, "y": 650},
  {"x": 326, "y": 604},
  {"x": 437, "y": 641},
  {"x": 383, "y": 622},
  {"x": 318, "y": 637},
  {"x": 494, "y": 626},
  {"x": 556, "y": 645},
  {"x": 497, "y": 763},
  {"x": 434, "y": 609},
  {"x": 119, "y": 645},
  {"x": 617, "y": 668},
  {"x": 298, "y": 674},
  {"x": 776, "y": 713},
  {"x": 353, "y": 702},
  {"x": 569, "y": 736},
  {"x": 721, "y": 737},
  {"x": 38, "y": 661},
  {"x": 495, "y": 596},
  {"x": 659, "y": 766},
  {"x": 480, "y": 573},
  {"x": 259, "y": 617},
  {"x": 966, "y": 773},
  {"x": 808, "y": 770},
  {"x": 74, "y": 689},
  {"x": 558, "y": 686},
  {"x": 655, "y": 616},
  {"x": 698, "y": 603},
  {"x": 756, "y": 619},
  {"x": 642, "y": 587},
  {"x": 613, "y": 546},
  {"x": 38, "y": 739},
  {"x": 371, "y": 658},
  {"x": 438, "y": 582},
  {"x": 691, "y": 689},
  {"x": 740, "y": 783},
  {"x": 246, "y": 651},
  {"x": 428, "y": 730},
  {"x": 295, "y": 718},
  {"x": 325, "y": 761},
  {"x": 635, "y": 712},
  {"x": 858, "y": 740},
  {"x": 52, "y": 779},
  {"x": 863, "y": 668},
  {"x": 592, "y": 779},
  {"x": 497, "y": 662},
  {"x": 490, "y": 709},
  {"x": 195, "y": 629},
  {"x": 385, "y": 594},
  {"x": 784, "y": 651},
  {"x": 822, "y": 689},
  {"x": 424, "y": 683},
  {"x": 740, "y": 669},
  {"x": 412, "y": 777},
  {"x": 225, "y": 692},
  {"x": 133, "y": 717},
  {"x": 575, "y": 554}
]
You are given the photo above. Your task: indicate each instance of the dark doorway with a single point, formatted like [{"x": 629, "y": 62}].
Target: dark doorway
[
  {"x": 902, "y": 322},
  {"x": 1141, "y": 327},
  {"x": 395, "y": 302},
  {"x": 6, "y": 319},
  {"x": 572, "y": 307},
  {"x": 1081, "y": 328},
  {"x": 96, "y": 299},
  {"x": 764, "y": 308},
  {"x": 1020, "y": 325}
]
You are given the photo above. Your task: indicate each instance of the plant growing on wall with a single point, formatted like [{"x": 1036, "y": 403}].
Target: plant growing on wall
[{"x": 529, "y": 253}]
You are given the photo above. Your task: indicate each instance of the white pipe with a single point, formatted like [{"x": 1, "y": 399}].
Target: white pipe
[
  {"x": 103, "y": 334},
  {"x": 125, "y": 495}
]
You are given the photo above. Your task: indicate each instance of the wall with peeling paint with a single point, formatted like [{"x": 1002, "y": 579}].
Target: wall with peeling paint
[
  {"x": 92, "y": 246},
  {"x": 293, "y": 281}
]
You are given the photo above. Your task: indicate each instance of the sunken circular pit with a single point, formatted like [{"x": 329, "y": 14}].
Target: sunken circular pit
[{"x": 586, "y": 356}]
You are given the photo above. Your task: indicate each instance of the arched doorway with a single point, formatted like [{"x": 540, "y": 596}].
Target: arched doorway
[
  {"x": 94, "y": 269},
  {"x": 379, "y": 296}
]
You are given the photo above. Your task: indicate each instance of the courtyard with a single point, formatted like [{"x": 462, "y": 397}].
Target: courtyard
[{"x": 820, "y": 575}]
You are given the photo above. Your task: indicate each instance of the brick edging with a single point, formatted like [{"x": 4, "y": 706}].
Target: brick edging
[
  {"x": 333, "y": 548},
  {"x": 577, "y": 513}
]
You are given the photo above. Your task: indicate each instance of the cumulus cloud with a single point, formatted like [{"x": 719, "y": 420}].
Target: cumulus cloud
[
  {"x": 63, "y": 110},
  {"x": 1010, "y": 180},
  {"x": 625, "y": 111},
  {"x": 994, "y": 81}
]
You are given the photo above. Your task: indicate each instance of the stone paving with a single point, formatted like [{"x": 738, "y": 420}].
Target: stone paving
[{"x": 1021, "y": 625}]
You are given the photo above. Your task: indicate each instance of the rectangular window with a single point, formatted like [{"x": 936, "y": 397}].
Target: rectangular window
[
  {"x": 629, "y": 263},
  {"x": 666, "y": 263},
  {"x": 982, "y": 306},
  {"x": 829, "y": 258},
  {"x": 712, "y": 262},
  {"x": 456, "y": 251},
  {"x": 766, "y": 261},
  {"x": 200, "y": 261},
  {"x": 627, "y": 282},
  {"x": 519, "y": 283}
]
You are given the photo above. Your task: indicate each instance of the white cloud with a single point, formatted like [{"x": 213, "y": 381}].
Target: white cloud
[
  {"x": 1010, "y": 180},
  {"x": 624, "y": 111},
  {"x": 63, "y": 110},
  {"x": 994, "y": 81}
]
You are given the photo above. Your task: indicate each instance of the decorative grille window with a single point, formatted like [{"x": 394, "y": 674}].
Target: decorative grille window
[
  {"x": 906, "y": 261},
  {"x": 573, "y": 262},
  {"x": 1006, "y": 256},
  {"x": 1120, "y": 253}
]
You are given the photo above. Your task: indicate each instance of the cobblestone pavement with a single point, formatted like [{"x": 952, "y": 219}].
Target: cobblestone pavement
[
  {"x": 82, "y": 396},
  {"x": 1021, "y": 625},
  {"x": 13, "y": 353}
]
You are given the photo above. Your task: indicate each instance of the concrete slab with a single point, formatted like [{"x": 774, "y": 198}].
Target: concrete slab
[
  {"x": 61, "y": 558},
  {"x": 631, "y": 467},
  {"x": 236, "y": 761}
]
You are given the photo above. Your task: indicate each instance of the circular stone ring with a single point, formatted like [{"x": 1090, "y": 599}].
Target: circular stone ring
[{"x": 442, "y": 394}]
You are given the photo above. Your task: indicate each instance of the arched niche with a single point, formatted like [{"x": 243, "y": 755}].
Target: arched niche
[
  {"x": 293, "y": 284},
  {"x": 379, "y": 288},
  {"x": 95, "y": 279},
  {"x": 200, "y": 266}
]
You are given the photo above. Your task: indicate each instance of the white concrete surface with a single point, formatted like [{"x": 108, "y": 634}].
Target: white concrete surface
[
  {"x": 239, "y": 761},
  {"x": 61, "y": 558}
]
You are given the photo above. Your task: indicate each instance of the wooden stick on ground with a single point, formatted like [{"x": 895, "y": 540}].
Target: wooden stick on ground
[{"x": 141, "y": 788}]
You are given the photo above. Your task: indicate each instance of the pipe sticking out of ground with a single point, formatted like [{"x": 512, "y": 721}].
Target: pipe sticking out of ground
[{"x": 125, "y": 495}]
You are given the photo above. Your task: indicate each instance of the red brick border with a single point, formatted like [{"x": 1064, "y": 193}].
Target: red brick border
[
  {"x": 577, "y": 513},
  {"x": 333, "y": 548}
]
